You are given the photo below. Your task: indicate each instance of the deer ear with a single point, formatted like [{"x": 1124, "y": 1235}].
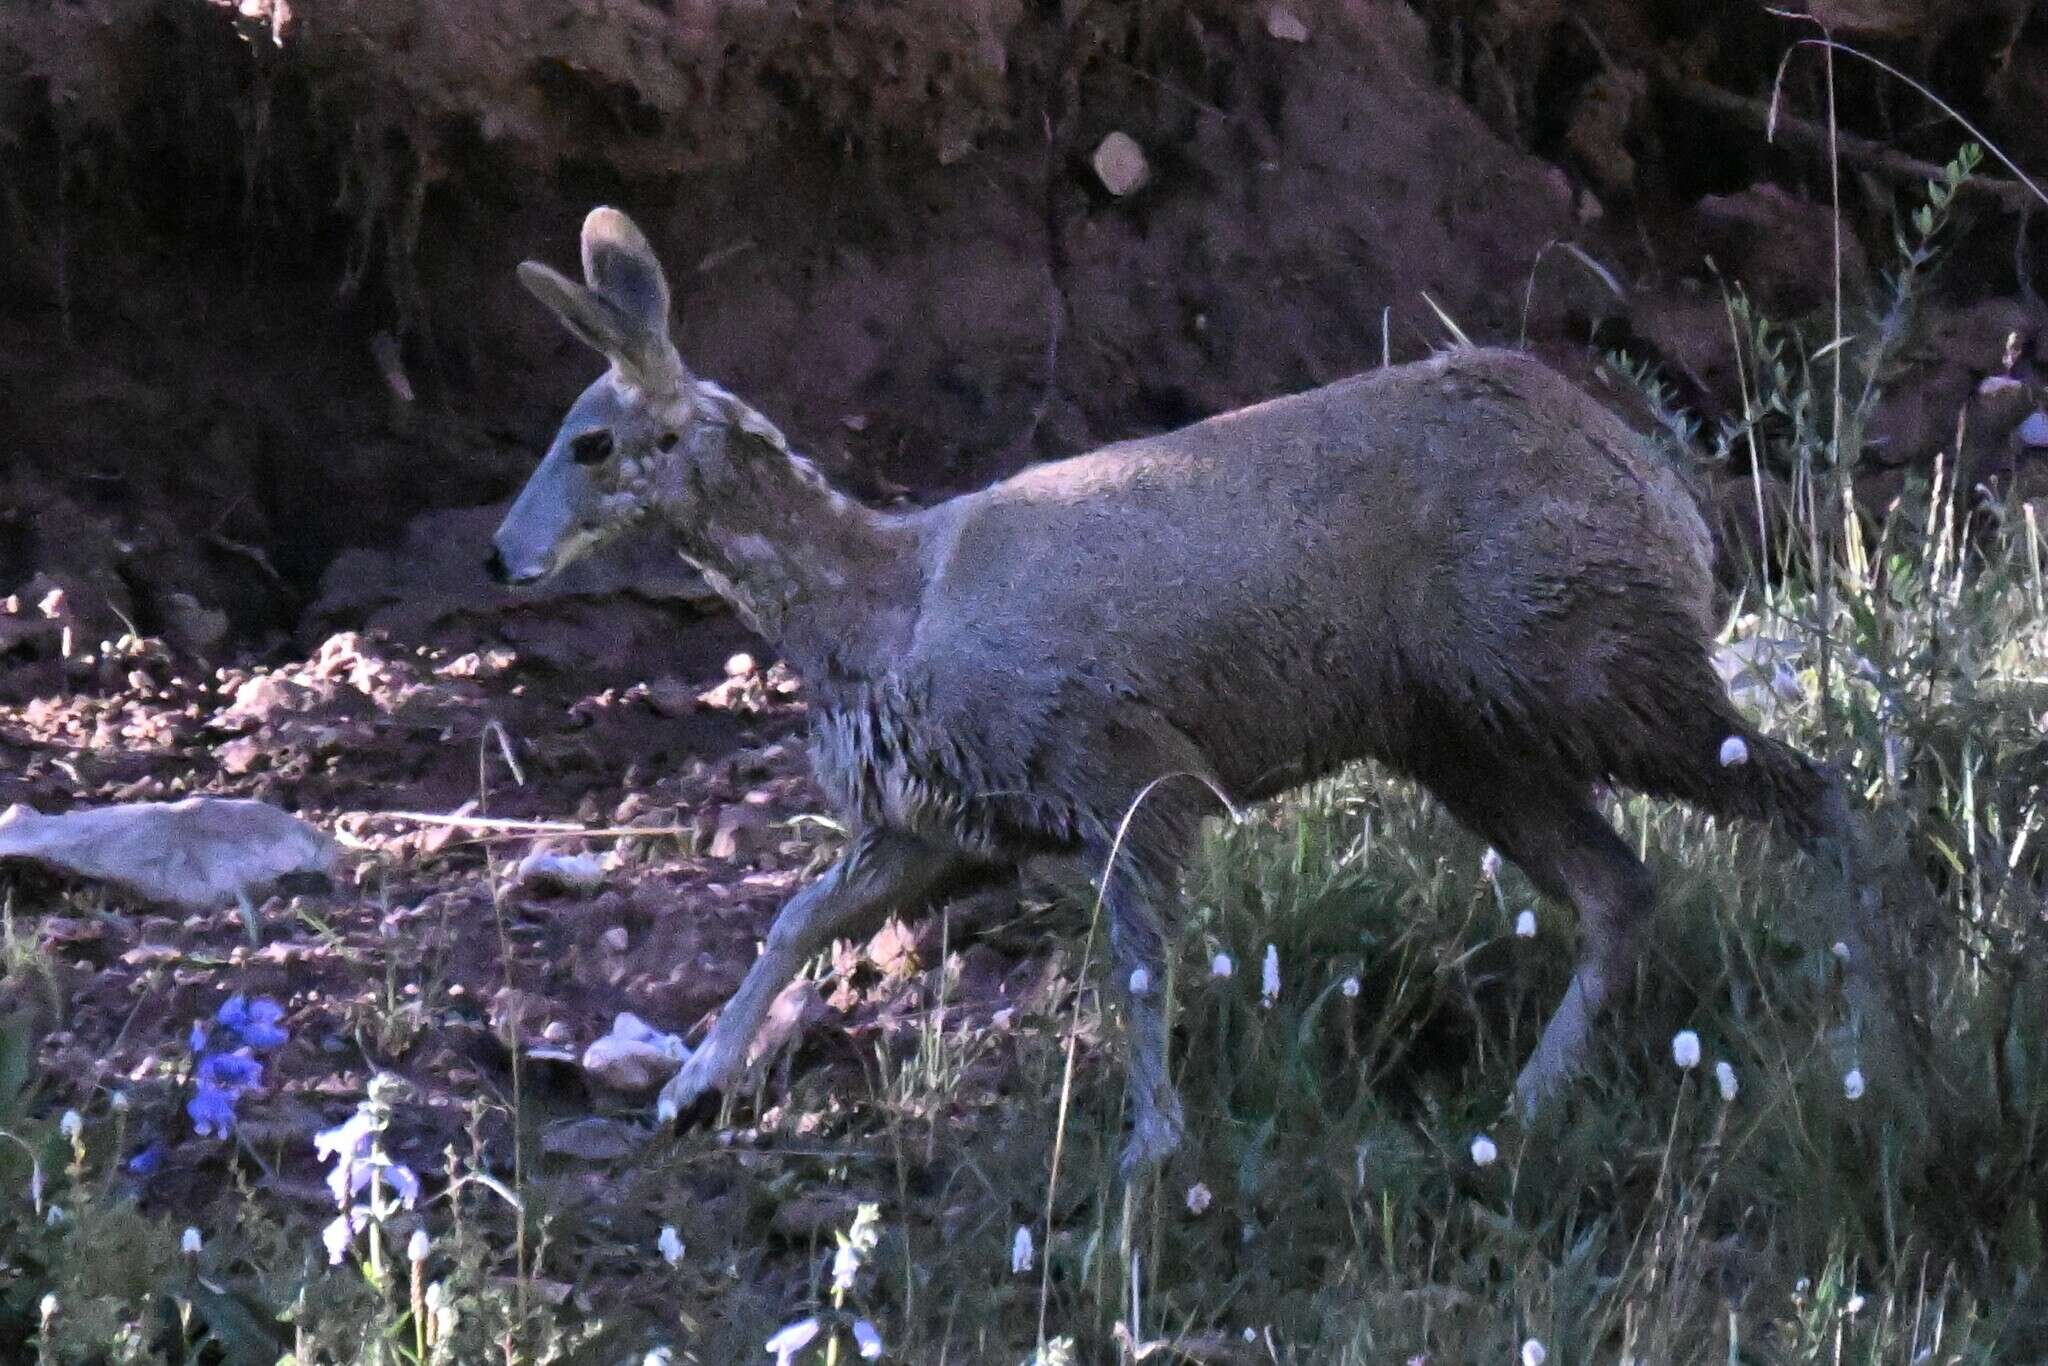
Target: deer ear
[
  {"x": 643, "y": 354},
  {"x": 620, "y": 266},
  {"x": 596, "y": 321}
]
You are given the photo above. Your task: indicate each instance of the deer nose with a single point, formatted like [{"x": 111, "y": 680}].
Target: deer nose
[{"x": 494, "y": 565}]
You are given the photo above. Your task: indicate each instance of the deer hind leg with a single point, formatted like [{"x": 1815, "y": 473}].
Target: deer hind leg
[
  {"x": 883, "y": 870},
  {"x": 1140, "y": 895},
  {"x": 1774, "y": 783},
  {"x": 1558, "y": 837}
]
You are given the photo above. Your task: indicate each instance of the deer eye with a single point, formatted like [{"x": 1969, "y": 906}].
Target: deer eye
[
  {"x": 668, "y": 441},
  {"x": 591, "y": 448}
]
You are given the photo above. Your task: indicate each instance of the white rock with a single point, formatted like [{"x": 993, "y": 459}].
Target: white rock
[
  {"x": 634, "y": 1056},
  {"x": 544, "y": 869},
  {"x": 1121, "y": 164},
  {"x": 1284, "y": 24}
]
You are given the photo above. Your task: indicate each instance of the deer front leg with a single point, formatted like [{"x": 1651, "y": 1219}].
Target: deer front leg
[{"x": 882, "y": 870}]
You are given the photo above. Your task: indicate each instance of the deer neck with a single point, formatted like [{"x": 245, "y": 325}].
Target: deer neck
[{"x": 831, "y": 583}]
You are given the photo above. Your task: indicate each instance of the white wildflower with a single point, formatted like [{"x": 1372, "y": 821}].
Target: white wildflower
[
  {"x": 441, "y": 1311},
  {"x": 337, "y": 1236},
  {"x": 118, "y": 1102},
  {"x": 1854, "y": 1306},
  {"x": 1269, "y": 976},
  {"x": 1534, "y": 1353},
  {"x": 1489, "y": 864},
  {"x": 56, "y": 1217},
  {"x": 1221, "y": 966},
  {"x": 1841, "y": 951},
  {"x": 1198, "y": 1198},
  {"x": 1350, "y": 988},
  {"x": 1020, "y": 1251},
  {"x": 669, "y": 1244},
  {"x": 48, "y": 1307},
  {"x": 660, "y": 1356},
  {"x": 845, "y": 1266},
  {"x": 1734, "y": 750},
  {"x": 1141, "y": 981},
  {"x": 71, "y": 1126},
  {"x": 191, "y": 1243},
  {"x": 1685, "y": 1049},
  {"x": 867, "y": 1339},
  {"x": 1724, "y": 1073},
  {"x": 416, "y": 1247},
  {"x": 1525, "y": 925},
  {"x": 1483, "y": 1151},
  {"x": 793, "y": 1339},
  {"x": 1852, "y": 1084}
]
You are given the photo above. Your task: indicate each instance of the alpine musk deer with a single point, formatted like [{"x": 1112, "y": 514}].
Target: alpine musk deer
[{"x": 1463, "y": 568}]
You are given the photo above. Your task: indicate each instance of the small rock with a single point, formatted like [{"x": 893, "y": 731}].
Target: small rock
[
  {"x": 634, "y": 1056},
  {"x": 616, "y": 939},
  {"x": 2034, "y": 430},
  {"x": 1284, "y": 24},
  {"x": 240, "y": 756},
  {"x": 671, "y": 697},
  {"x": 193, "y": 628},
  {"x": 545, "y": 870},
  {"x": 740, "y": 833},
  {"x": 1120, "y": 164},
  {"x": 739, "y": 666},
  {"x": 264, "y": 698},
  {"x": 814, "y": 1214},
  {"x": 594, "y": 1139}
]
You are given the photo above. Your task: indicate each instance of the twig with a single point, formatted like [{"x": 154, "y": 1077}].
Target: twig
[
  {"x": 1813, "y": 138},
  {"x": 508, "y": 824},
  {"x": 1170, "y": 88}
]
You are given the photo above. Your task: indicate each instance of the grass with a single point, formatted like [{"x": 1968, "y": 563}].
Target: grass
[{"x": 1330, "y": 1204}]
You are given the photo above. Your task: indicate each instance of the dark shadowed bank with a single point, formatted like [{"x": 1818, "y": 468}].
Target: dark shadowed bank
[{"x": 259, "y": 308}]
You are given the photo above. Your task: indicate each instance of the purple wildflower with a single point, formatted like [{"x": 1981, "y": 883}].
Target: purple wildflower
[
  {"x": 231, "y": 1072},
  {"x": 255, "y": 1023},
  {"x": 401, "y": 1179},
  {"x": 212, "y": 1110},
  {"x": 197, "y": 1038},
  {"x": 348, "y": 1146},
  {"x": 146, "y": 1162},
  {"x": 349, "y": 1178},
  {"x": 351, "y": 1138}
]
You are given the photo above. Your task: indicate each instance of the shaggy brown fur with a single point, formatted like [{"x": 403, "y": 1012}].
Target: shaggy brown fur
[{"x": 1464, "y": 568}]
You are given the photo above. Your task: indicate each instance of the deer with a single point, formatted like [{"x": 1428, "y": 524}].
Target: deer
[{"x": 1465, "y": 569}]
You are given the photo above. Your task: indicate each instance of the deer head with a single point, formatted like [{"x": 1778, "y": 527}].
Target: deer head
[{"x": 598, "y": 474}]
